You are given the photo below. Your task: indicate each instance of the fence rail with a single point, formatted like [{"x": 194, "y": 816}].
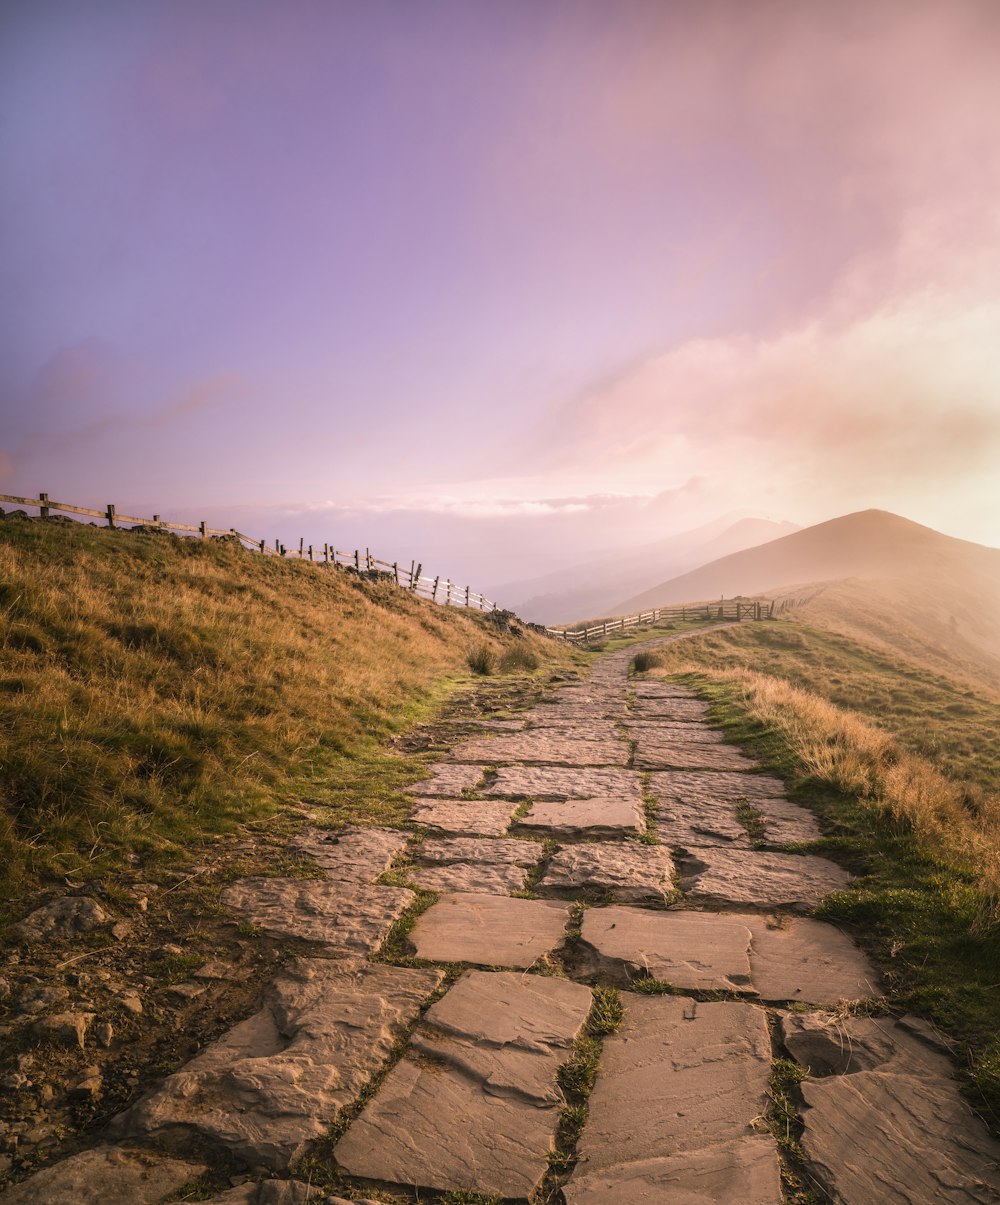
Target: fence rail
[
  {"x": 733, "y": 609},
  {"x": 438, "y": 589}
]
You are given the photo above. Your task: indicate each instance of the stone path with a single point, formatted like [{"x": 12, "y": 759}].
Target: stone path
[{"x": 607, "y": 841}]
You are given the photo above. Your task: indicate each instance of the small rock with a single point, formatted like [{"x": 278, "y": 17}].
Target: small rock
[
  {"x": 15, "y": 1082},
  {"x": 131, "y": 1003},
  {"x": 170, "y": 949},
  {"x": 104, "y": 1032},
  {"x": 4, "y": 988},
  {"x": 69, "y": 1028},
  {"x": 6, "y": 1163},
  {"x": 121, "y": 929},
  {"x": 187, "y": 991},
  {"x": 89, "y": 1084},
  {"x": 38, "y": 998},
  {"x": 62, "y": 916},
  {"x": 45, "y": 1093}
]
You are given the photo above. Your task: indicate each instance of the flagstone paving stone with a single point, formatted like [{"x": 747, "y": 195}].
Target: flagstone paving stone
[
  {"x": 832, "y": 1043},
  {"x": 448, "y": 781},
  {"x": 693, "y": 825},
  {"x": 474, "y": 1105},
  {"x": 693, "y": 786},
  {"x": 489, "y": 930},
  {"x": 691, "y": 950},
  {"x": 556, "y": 782},
  {"x": 348, "y": 918},
  {"x": 351, "y": 854},
  {"x": 699, "y": 1074},
  {"x": 670, "y": 710},
  {"x": 629, "y": 871},
  {"x": 497, "y": 851},
  {"x": 585, "y": 818},
  {"x": 277, "y": 1081},
  {"x": 760, "y": 878},
  {"x": 540, "y": 748},
  {"x": 658, "y": 732},
  {"x": 106, "y": 1175},
  {"x": 786, "y": 823},
  {"x": 485, "y": 818},
  {"x": 807, "y": 960},
  {"x": 691, "y": 755},
  {"x": 469, "y": 876}
]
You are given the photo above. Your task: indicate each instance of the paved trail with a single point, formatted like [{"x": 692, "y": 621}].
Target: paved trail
[{"x": 706, "y": 909}]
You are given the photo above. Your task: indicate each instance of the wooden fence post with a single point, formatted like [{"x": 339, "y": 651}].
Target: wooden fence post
[
  {"x": 395, "y": 572},
  {"x": 434, "y": 596},
  {"x": 203, "y": 528},
  {"x": 466, "y": 595},
  {"x": 111, "y": 514},
  {"x": 43, "y": 511},
  {"x": 262, "y": 547},
  {"x": 326, "y": 554},
  {"x": 416, "y": 580},
  {"x": 357, "y": 560}
]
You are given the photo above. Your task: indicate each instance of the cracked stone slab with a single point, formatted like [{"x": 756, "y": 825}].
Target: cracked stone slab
[
  {"x": 489, "y": 930},
  {"x": 496, "y": 851},
  {"x": 106, "y": 1175},
  {"x": 553, "y": 716},
  {"x": 354, "y": 854},
  {"x": 542, "y": 749},
  {"x": 677, "y": 711},
  {"x": 276, "y": 1081},
  {"x": 448, "y": 781},
  {"x": 474, "y": 1105},
  {"x": 610, "y": 817},
  {"x": 693, "y": 825},
  {"x": 555, "y": 782},
  {"x": 828, "y": 1043},
  {"x": 469, "y": 876},
  {"x": 896, "y": 1139},
  {"x": 807, "y": 960},
  {"x": 681, "y": 1076},
  {"x": 787, "y": 823},
  {"x": 655, "y": 731},
  {"x": 694, "y": 786},
  {"x": 580, "y": 730},
  {"x": 690, "y": 950},
  {"x": 485, "y": 818},
  {"x": 760, "y": 879},
  {"x": 661, "y": 690},
  {"x": 629, "y": 870},
  {"x": 347, "y": 917},
  {"x": 744, "y": 1170},
  {"x": 689, "y": 755}
]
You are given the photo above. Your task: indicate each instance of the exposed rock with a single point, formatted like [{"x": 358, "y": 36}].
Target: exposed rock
[
  {"x": 670, "y": 710},
  {"x": 652, "y": 689},
  {"x": 66, "y": 1029},
  {"x": 63, "y": 916},
  {"x": 187, "y": 991},
  {"x": 88, "y": 1085},
  {"x": 541, "y": 747},
  {"x": 680, "y": 1076},
  {"x": 107, "y": 1175},
  {"x": 743, "y": 1170},
  {"x": 104, "y": 1032},
  {"x": 348, "y": 918},
  {"x": 657, "y": 732},
  {"x": 276, "y": 1081},
  {"x": 835, "y": 1044},
  {"x": 786, "y": 823},
  {"x": 690, "y": 755},
  {"x": 809, "y": 961},
  {"x": 609, "y": 816},
  {"x": 761, "y": 879},
  {"x": 473, "y": 849},
  {"x": 131, "y": 1002},
  {"x": 554, "y": 782},
  {"x": 475, "y": 1103},
  {"x": 485, "y": 818},
  {"x": 37, "y": 997},
  {"x": 358, "y": 855},
  {"x": 448, "y": 781},
  {"x": 281, "y": 1192},
  {"x": 629, "y": 871},
  {"x": 469, "y": 876},
  {"x": 489, "y": 930},
  {"x": 692, "y": 950},
  {"x": 709, "y": 786},
  {"x": 694, "y": 825}
]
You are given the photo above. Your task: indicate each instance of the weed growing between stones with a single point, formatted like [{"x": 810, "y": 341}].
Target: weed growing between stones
[
  {"x": 786, "y": 1128},
  {"x": 752, "y": 820}
]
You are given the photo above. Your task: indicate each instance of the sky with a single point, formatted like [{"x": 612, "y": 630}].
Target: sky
[{"x": 497, "y": 285}]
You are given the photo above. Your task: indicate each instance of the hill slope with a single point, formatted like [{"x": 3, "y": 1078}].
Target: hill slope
[{"x": 155, "y": 689}]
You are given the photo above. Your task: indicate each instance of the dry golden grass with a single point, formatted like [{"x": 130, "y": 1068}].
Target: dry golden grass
[{"x": 153, "y": 689}]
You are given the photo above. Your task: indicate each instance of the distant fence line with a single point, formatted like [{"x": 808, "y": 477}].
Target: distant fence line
[
  {"x": 732, "y": 609},
  {"x": 437, "y": 589}
]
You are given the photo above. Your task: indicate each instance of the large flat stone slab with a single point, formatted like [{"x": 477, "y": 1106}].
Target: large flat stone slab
[
  {"x": 659, "y": 731},
  {"x": 834, "y": 1043},
  {"x": 807, "y": 960},
  {"x": 660, "y": 690},
  {"x": 896, "y": 1139},
  {"x": 495, "y": 851},
  {"x": 693, "y": 786},
  {"x": 489, "y": 930},
  {"x": 675, "y": 711},
  {"x": 483, "y": 817},
  {"x": 689, "y": 755},
  {"x": 786, "y": 823},
  {"x": 539, "y": 748},
  {"x": 584, "y": 726},
  {"x": 107, "y": 1175},
  {"x": 628, "y": 871},
  {"x": 474, "y": 1106},
  {"x": 681, "y": 1076},
  {"x": 349, "y": 918},
  {"x": 275, "y": 1082},
  {"x": 554, "y": 782},
  {"x": 743, "y": 1170},
  {"x": 448, "y": 781},
  {"x": 608, "y": 817},
  {"x": 704, "y": 823},
  {"x": 469, "y": 876},
  {"x": 357, "y": 855},
  {"x": 690, "y": 950},
  {"x": 760, "y": 878}
]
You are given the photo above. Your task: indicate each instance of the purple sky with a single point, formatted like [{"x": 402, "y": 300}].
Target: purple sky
[{"x": 492, "y": 284}]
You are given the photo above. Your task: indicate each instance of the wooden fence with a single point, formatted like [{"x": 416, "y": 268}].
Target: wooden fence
[
  {"x": 733, "y": 609},
  {"x": 412, "y": 578}
]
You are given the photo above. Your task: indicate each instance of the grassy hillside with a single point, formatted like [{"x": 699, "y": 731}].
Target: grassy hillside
[{"x": 155, "y": 689}]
